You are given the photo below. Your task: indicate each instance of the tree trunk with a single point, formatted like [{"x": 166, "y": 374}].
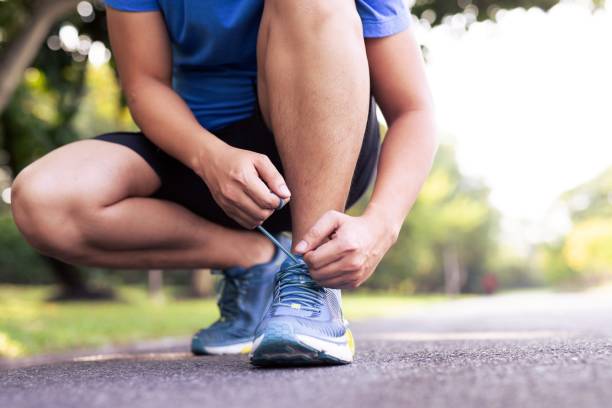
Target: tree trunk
[
  {"x": 73, "y": 286},
  {"x": 156, "y": 284},
  {"x": 202, "y": 283},
  {"x": 452, "y": 270},
  {"x": 23, "y": 48}
]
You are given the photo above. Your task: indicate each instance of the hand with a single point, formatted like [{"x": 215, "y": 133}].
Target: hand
[
  {"x": 245, "y": 184},
  {"x": 342, "y": 251}
]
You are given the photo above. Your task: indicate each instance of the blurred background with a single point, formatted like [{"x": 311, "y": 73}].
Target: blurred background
[{"x": 520, "y": 196}]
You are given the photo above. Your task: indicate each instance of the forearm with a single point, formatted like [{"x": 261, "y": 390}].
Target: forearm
[
  {"x": 168, "y": 122},
  {"x": 145, "y": 68},
  {"x": 405, "y": 161}
]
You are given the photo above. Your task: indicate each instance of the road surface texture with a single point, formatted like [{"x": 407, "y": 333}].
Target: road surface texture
[{"x": 515, "y": 350}]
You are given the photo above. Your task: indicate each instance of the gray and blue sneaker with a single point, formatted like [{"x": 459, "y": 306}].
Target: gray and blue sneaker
[
  {"x": 244, "y": 296},
  {"x": 304, "y": 324}
]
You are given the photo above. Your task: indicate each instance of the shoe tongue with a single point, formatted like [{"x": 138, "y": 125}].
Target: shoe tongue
[{"x": 299, "y": 294}]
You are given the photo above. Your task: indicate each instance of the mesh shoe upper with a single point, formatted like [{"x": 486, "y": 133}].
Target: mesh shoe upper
[{"x": 302, "y": 306}]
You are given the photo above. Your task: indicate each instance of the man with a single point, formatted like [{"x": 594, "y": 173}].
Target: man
[{"x": 244, "y": 106}]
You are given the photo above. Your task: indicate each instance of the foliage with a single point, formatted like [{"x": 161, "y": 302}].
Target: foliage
[
  {"x": 479, "y": 9},
  {"x": 585, "y": 254},
  {"x": 592, "y": 199},
  {"x": 100, "y": 108},
  {"x": 588, "y": 248},
  {"x": 513, "y": 269},
  {"x": 19, "y": 263},
  {"x": 451, "y": 213},
  {"x": 549, "y": 259}
]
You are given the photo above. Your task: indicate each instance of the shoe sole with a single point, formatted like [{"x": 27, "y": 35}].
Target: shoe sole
[
  {"x": 237, "y": 348},
  {"x": 277, "y": 350}
]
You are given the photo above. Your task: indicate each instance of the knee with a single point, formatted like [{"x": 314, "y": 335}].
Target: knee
[
  {"x": 42, "y": 214},
  {"x": 316, "y": 17}
]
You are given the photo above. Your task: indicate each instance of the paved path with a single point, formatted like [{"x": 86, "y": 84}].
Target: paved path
[{"x": 518, "y": 350}]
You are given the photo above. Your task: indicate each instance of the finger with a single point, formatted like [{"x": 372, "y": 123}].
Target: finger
[
  {"x": 259, "y": 192},
  {"x": 272, "y": 177},
  {"x": 331, "y": 271},
  {"x": 338, "y": 283},
  {"x": 244, "y": 211},
  {"x": 341, "y": 279},
  {"x": 325, "y": 254},
  {"x": 242, "y": 218},
  {"x": 252, "y": 210},
  {"x": 320, "y": 232}
]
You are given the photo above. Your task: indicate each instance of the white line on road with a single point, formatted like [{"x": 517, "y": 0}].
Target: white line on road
[{"x": 480, "y": 335}]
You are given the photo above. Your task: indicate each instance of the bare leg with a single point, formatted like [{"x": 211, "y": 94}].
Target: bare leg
[
  {"x": 86, "y": 203},
  {"x": 314, "y": 90}
]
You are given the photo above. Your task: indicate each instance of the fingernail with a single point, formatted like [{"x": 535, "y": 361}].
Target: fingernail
[
  {"x": 301, "y": 246},
  {"x": 284, "y": 190},
  {"x": 281, "y": 204}
]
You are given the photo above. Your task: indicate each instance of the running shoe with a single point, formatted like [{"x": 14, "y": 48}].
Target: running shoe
[
  {"x": 244, "y": 296},
  {"x": 304, "y": 324}
]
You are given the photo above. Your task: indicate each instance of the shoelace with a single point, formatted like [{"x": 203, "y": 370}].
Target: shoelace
[{"x": 294, "y": 286}]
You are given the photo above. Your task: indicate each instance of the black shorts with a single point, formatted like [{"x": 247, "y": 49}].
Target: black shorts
[{"x": 179, "y": 184}]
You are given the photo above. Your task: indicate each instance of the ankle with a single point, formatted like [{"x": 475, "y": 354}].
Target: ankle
[{"x": 257, "y": 250}]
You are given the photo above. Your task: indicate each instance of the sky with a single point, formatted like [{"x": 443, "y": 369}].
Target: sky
[{"x": 527, "y": 101}]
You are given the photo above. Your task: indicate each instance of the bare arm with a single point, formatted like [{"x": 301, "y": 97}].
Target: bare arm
[
  {"x": 401, "y": 89},
  {"x": 358, "y": 244},
  {"x": 145, "y": 69},
  {"x": 239, "y": 180}
]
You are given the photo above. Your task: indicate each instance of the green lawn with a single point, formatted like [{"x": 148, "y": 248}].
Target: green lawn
[{"x": 29, "y": 325}]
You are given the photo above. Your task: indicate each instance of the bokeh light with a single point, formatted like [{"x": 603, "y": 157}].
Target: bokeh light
[
  {"x": 6, "y": 195},
  {"x": 84, "y": 44},
  {"x": 99, "y": 54},
  {"x": 54, "y": 43},
  {"x": 69, "y": 37},
  {"x": 85, "y": 9}
]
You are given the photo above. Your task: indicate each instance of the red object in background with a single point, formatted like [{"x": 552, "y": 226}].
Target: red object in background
[{"x": 489, "y": 283}]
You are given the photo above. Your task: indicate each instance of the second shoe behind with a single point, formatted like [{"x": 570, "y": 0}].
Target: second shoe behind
[{"x": 244, "y": 297}]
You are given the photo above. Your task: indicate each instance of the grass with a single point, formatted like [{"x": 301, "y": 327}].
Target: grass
[{"x": 29, "y": 325}]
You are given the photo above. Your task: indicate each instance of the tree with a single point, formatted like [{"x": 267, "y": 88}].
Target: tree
[
  {"x": 56, "y": 81},
  {"x": 584, "y": 254},
  {"x": 31, "y": 22},
  {"x": 587, "y": 248},
  {"x": 479, "y": 9},
  {"x": 591, "y": 199},
  {"x": 446, "y": 239}
]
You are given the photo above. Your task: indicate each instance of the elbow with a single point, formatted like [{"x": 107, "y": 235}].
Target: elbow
[
  {"x": 135, "y": 87},
  {"x": 417, "y": 121},
  {"x": 424, "y": 114},
  {"x": 421, "y": 105}
]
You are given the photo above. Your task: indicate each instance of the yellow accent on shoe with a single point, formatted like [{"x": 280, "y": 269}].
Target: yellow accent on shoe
[
  {"x": 246, "y": 349},
  {"x": 351, "y": 341}
]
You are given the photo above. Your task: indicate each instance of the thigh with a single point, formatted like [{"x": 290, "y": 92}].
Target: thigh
[{"x": 91, "y": 171}]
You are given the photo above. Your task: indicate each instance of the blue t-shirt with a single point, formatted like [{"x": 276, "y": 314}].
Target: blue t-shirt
[{"x": 214, "y": 49}]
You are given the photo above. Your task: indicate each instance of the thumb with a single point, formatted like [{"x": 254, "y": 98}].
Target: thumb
[
  {"x": 272, "y": 177},
  {"x": 320, "y": 232}
]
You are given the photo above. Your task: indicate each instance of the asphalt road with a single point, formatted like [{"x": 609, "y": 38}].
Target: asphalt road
[{"x": 521, "y": 350}]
